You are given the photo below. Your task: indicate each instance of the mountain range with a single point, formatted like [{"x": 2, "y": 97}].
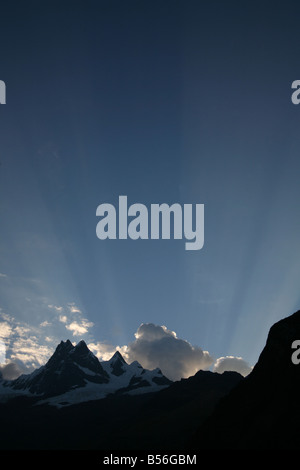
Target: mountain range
[
  {"x": 73, "y": 374},
  {"x": 77, "y": 402}
]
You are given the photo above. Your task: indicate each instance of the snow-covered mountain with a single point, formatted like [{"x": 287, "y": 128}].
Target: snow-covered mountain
[{"x": 74, "y": 374}]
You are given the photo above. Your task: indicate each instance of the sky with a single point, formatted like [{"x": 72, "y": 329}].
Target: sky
[{"x": 164, "y": 101}]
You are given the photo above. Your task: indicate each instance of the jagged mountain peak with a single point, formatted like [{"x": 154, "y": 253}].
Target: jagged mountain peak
[
  {"x": 73, "y": 367},
  {"x": 69, "y": 367},
  {"x": 82, "y": 348},
  {"x": 61, "y": 352},
  {"x": 117, "y": 357},
  {"x": 79, "y": 353},
  {"x": 136, "y": 364},
  {"x": 117, "y": 364},
  {"x": 64, "y": 346}
]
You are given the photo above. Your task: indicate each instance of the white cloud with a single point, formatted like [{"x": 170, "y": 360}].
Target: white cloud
[
  {"x": 2, "y": 352},
  {"x": 45, "y": 323},
  {"x": 80, "y": 327},
  {"x": 54, "y": 307},
  {"x": 5, "y": 316},
  {"x": 5, "y": 331},
  {"x": 232, "y": 363},
  {"x": 22, "y": 330},
  {"x": 3, "y": 275},
  {"x": 73, "y": 309},
  {"x": 63, "y": 318},
  {"x": 156, "y": 346},
  {"x": 74, "y": 322},
  {"x": 30, "y": 351},
  {"x": 24, "y": 344},
  {"x": 30, "y": 345},
  {"x": 103, "y": 351}
]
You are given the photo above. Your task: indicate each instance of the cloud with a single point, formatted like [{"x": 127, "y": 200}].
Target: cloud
[
  {"x": 80, "y": 327},
  {"x": 74, "y": 321},
  {"x": 232, "y": 363},
  {"x": 2, "y": 352},
  {"x": 54, "y": 307},
  {"x": 10, "y": 371},
  {"x": 24, "y": 345},
  {"x": 63, "y": 318},
  {"x": 23, "y": 330},
  {"x": 73, "y": 309},
  {"x": 6, "y": 331},
  {"x": 31, "y": 345},
  {"x": 103, "y": 351},
  {"x": 3, "y": 275},
  {"x": 156, "y": 346},
  {"x": 30, "y": 352}
]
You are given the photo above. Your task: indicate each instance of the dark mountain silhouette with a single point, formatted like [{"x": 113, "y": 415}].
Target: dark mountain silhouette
[
  {"x": 263, "y": 411},
  {"x": 159, "y": 420},
  {"x": 59, "y": 407},
  {"x": 69, "y": 367},
  {"x": 168, "y": 418},
  {"x": 117, "y": 364},
  {"x": 74, "y": 374}
]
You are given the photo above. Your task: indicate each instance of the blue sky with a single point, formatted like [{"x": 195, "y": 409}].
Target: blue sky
[{"x": 162, "y": 101}]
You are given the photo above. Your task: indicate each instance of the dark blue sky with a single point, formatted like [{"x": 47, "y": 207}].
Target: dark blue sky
[{"x": 163, "y": 101}]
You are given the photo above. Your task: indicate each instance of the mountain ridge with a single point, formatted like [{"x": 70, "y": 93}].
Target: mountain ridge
[{"x": 74, "y": 374}]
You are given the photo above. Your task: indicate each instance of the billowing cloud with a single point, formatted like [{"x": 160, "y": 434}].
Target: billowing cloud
[
  {"x": 232, "y": 363},
  {"x": 156, "y": 346}
]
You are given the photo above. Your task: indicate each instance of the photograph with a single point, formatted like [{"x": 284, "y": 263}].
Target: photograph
[{"x": 149, "y": 230}]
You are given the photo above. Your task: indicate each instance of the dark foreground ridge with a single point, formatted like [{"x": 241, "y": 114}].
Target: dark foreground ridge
[
  {"x": 263, "y": 411},
  {"x": 158, "y": 420}
]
